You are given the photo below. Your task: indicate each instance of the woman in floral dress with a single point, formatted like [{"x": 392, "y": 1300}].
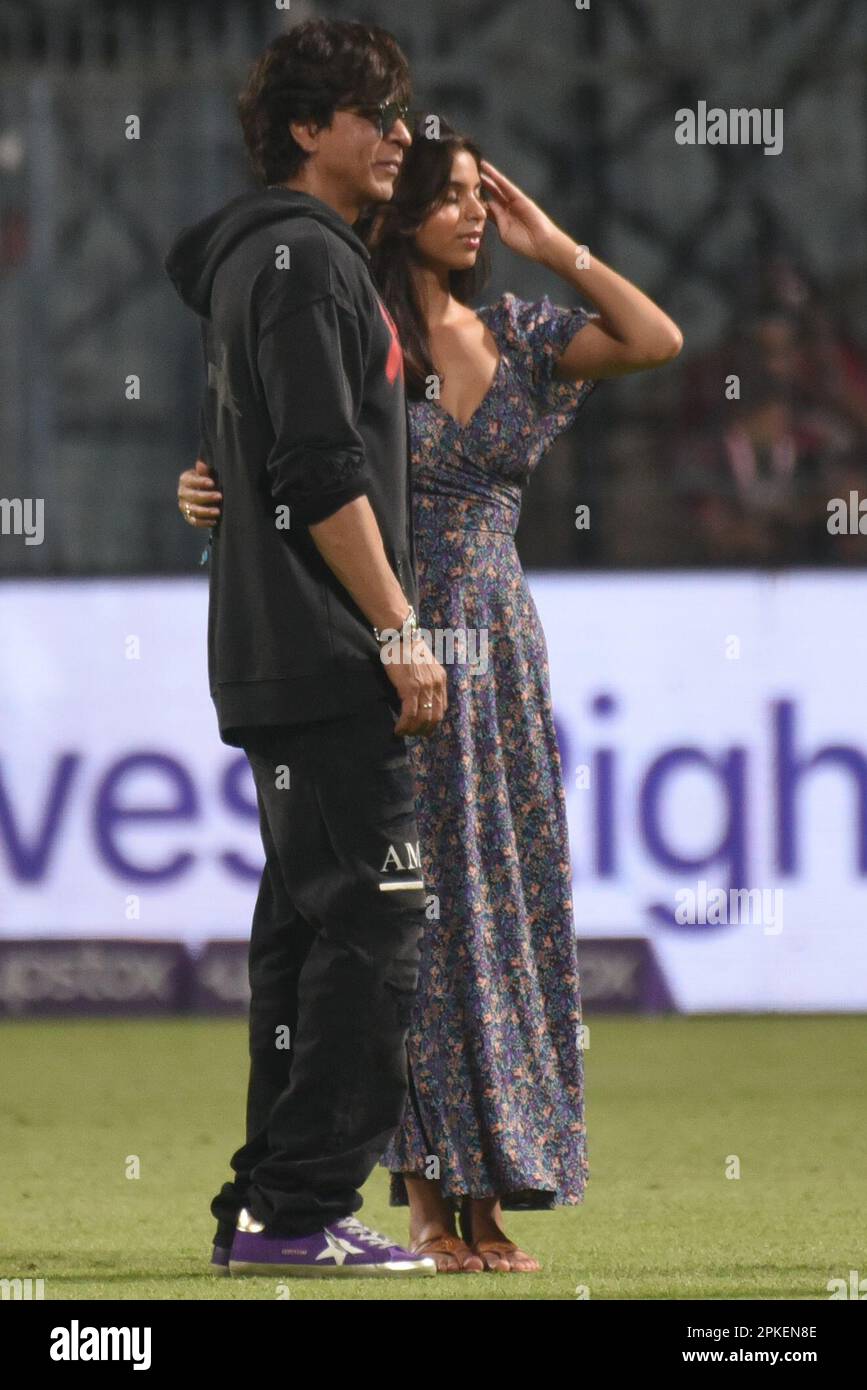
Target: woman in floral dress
[{"x": 494, "y": 1119}]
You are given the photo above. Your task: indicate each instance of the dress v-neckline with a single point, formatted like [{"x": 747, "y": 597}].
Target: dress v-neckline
[{"x": 495, "y": 378}]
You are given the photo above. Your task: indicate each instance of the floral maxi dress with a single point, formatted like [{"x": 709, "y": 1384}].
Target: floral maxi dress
[{"x": 494, "y": 1048}]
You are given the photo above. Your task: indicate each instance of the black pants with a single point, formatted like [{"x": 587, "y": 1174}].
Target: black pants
[{"x": 334, "y": 957}]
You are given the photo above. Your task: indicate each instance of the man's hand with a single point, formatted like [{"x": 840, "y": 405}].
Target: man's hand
[
  {"x": 420, "y": 682},
  {"x": 198, "y": 496}
]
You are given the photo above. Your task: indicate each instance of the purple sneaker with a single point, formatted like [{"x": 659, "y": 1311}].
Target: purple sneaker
[
  {"x": 219, "y": 1260},
  {"x": 346, "y": 1247}
]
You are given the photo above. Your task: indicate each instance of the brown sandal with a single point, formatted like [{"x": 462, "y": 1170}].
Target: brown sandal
[
  {"x": 450, "y": 1245},
  {"x": 502, "y": 1248},
  {"x": 505, "y": 1249}
]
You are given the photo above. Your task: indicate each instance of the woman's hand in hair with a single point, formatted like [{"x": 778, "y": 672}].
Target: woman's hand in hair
[
  {"x": 521, "y": 223},
  {"x": 198, "y": 497}
]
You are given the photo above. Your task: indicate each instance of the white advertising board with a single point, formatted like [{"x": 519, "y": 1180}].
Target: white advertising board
[{"x": 714, "y": 745}]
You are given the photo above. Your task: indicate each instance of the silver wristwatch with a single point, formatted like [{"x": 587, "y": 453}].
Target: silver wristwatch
[{"x": 408, "y": 630}]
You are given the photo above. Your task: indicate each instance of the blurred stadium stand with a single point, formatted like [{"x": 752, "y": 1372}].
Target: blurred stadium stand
[{"x": 760, "y": 259}]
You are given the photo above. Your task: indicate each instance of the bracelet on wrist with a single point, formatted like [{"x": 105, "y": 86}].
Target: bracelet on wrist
[{"x": 409, "y": 629}]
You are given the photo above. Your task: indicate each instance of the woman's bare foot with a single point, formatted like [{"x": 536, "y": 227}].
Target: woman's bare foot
[
  {"x": 432, "y": 1228},
  {"x": 480, "y": 1227}
]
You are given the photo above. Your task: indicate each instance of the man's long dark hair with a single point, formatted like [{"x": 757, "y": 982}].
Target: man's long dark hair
[{"x": 388, "y": 230}]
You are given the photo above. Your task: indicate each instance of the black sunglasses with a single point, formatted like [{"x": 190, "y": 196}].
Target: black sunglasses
[{"x": 385, "y": 116}]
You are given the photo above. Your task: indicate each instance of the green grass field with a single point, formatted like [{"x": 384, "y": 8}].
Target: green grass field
[{"x": 668, "y": 1100}]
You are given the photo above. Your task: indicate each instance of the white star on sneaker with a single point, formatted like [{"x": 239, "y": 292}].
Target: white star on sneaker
[{"x": 337, "y": 1249}]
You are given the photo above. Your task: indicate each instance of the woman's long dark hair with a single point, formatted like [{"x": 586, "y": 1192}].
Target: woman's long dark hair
[{"x": 388, "y": 230}]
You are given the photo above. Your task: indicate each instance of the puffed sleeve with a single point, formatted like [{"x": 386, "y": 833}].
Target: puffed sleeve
[{"x": 540, "y": 331}]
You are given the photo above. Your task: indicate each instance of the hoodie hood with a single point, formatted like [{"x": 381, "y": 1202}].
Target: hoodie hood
[{"x": 198, "y": 251}]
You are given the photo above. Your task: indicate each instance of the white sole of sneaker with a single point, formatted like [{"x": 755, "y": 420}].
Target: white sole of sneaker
[{"x": 396, "y": 1269}]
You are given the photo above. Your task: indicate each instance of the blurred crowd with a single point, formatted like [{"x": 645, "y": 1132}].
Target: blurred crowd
[
  {"x": 729, "y": 456},
  {"x": 773, "y": 427},
  {"x": 732, "y": 457}
]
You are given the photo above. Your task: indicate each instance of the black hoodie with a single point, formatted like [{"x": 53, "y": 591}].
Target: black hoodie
[{"x": 304, "y": 410}]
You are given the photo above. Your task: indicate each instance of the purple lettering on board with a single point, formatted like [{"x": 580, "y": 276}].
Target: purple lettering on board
[
  {"x": 236, "y": 781},
  {"x": 729, "y": 852},
  {"x": 29, "y": 861},
  {"x": 110, "y": 815}
]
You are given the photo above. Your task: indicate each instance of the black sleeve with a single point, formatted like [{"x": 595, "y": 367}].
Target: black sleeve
[
  {"x": 204, "y": 450},
  {"x": 311, "y": 365}
]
